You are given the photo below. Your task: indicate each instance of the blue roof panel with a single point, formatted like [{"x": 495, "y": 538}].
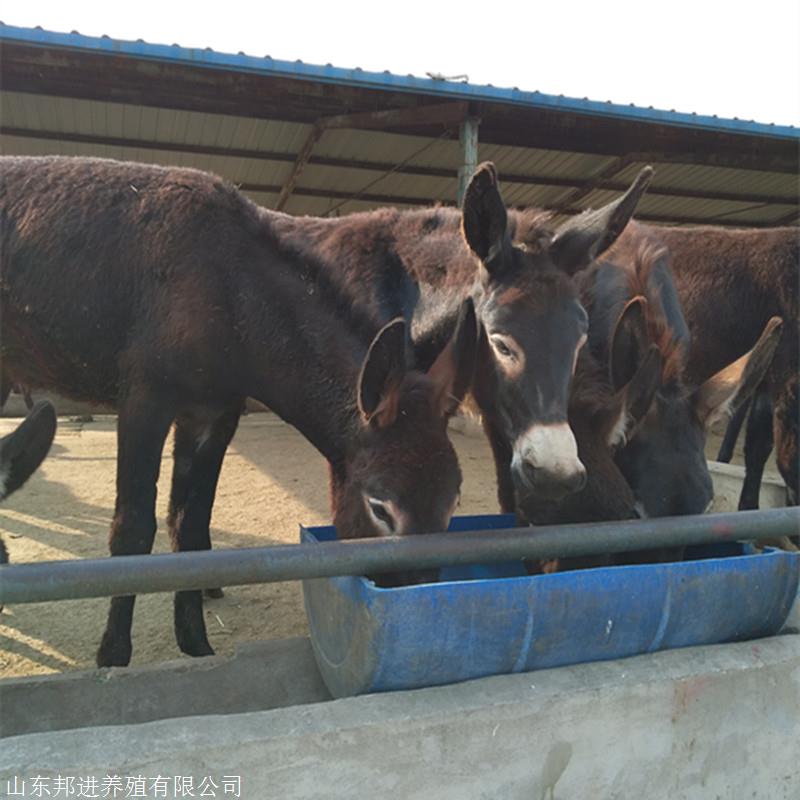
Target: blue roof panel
[{"x": 299, "y": 70}]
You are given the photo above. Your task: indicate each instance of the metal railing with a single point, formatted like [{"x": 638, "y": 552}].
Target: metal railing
[{"x": 141, "y": 574}]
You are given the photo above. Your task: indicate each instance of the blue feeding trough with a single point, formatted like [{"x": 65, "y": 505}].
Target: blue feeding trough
[{"x": 495, "y": 619}]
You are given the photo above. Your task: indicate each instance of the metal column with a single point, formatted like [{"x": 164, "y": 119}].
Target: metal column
[{"x": 468, "y": 137}]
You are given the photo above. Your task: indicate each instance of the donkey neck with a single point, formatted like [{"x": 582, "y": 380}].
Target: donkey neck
[
  {"x": 304, "y": 349},
  {"x": 387, "y": 263}
]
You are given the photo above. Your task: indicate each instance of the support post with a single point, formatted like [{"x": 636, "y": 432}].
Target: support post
[{"x": 468, "y": 138}]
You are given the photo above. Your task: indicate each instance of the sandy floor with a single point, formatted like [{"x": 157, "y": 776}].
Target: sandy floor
[{"x": 271, "y": 481}]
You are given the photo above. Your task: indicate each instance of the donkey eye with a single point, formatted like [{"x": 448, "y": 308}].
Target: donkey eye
[
  {"x": 502, "y": 347},
  {"x": 381, "y": 513}
]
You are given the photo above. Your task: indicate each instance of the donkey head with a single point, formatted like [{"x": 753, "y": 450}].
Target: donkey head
[
  {"x": 663, "y": 456},
  {"x": 601, "y": 416},
  {"x": 401, "y": 475},
  {"x": 532, "y": 327}
]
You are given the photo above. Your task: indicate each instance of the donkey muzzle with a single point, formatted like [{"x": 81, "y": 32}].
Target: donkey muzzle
[{"x": 546, "y": 464}]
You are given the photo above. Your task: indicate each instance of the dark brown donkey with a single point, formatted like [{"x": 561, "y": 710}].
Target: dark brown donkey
[
  {"x": 169, "y": 294},
  {"x": 633, "y": 306},
  {"x": 730, "y": 282},
  {"x": 532, "y": 326}
]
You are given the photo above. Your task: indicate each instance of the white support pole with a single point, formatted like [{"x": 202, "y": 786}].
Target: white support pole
[{"x": 468, "y": 137}]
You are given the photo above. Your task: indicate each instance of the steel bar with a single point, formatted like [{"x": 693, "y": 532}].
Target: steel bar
[{"x": 121, "y": 575}]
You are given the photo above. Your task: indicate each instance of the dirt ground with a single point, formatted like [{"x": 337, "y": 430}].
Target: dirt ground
[{"x": 272, "y": 480}]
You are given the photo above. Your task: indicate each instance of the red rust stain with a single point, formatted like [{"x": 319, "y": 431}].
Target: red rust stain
[{"x": 686, "y": 692}]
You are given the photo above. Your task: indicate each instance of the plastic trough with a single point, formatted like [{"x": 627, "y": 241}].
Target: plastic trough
[{"x": 495, "y": 619}]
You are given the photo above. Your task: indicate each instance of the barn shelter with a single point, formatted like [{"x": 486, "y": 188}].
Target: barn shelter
[{"x": 325, "y": 140}]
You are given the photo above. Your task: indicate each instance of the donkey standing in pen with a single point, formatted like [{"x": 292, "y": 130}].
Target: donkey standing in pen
[
  {"x": 167, "y": 293},
  {"x": 730, "y": 283},
  {"x": 532, "y": 325}
]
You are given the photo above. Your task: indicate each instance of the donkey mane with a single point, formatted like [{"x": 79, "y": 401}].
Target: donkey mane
[{"x": 531, "y": 228}]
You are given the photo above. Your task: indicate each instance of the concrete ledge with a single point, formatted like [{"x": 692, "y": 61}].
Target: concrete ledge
[
  {"x": 706, "y": 722},
  {"x": 728, "y": 480},
  {"x": 260, "y": 676}
]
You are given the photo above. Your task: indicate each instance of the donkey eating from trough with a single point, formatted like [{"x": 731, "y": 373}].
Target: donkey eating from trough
[
  {"x": 634, "y": 310},
  {"x": 167, "y": 293},
  {"x": 531, "y": 323},
  {"x": 730, "y": 283}
]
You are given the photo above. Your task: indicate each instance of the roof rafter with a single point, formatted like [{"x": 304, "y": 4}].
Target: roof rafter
[
  {"x": 420, "y": 171},
  {"x": 391, "y": 199}
]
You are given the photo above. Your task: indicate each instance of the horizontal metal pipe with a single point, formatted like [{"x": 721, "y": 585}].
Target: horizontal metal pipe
[{"x": 140, "y": 574}]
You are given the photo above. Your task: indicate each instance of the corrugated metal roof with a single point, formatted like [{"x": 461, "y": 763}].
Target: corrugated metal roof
[
  {"x": 351, "y": 169},
  {"x": 266, "y": 65}
]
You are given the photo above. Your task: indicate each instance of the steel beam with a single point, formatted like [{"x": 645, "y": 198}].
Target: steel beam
[
  {"x": 380, "y": 166},
  {"x": 124, "y": 575},
  {"x": 299, "y": 165},
  {"x": 468, "y": 139}
]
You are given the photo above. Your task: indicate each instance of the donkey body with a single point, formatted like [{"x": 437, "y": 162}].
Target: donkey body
[
  {"x": 731, "y": 282},
  {"x": 168, "y": 294}
]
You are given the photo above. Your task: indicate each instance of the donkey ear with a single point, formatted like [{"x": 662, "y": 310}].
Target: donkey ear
[
  {"x": 637, "y": 396},
  {"x": 628, "y": 343},
  {"x": 453, "y": 369},
  {"x": 483, "y": 217},
  {"x": 722, "y": 394},
  {"x": 22, "y": 451},
  {"x": 582, "y": 239},
  {"x": 382, "y": 373}
]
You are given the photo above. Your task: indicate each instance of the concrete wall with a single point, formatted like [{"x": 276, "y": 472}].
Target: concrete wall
[
  {"x": 260, "y": 676},
  {"x": 710, "y": 722}
]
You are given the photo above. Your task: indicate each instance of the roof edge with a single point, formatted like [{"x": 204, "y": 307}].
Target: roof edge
[{"x": 211, "y": 59}]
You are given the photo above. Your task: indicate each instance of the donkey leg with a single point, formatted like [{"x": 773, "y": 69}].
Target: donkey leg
[
  {"x": 142, "y": 426},
  {"x": 199, "y": 450},
  {"x": 732, "y": 434},
  {"x": 787, "y": 439},
  {"x": 5, "y": 389},
  {"x": 757, "y": 447}
]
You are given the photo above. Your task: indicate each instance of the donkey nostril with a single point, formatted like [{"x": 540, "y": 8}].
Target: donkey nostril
[{"x": 553, "y": 482}]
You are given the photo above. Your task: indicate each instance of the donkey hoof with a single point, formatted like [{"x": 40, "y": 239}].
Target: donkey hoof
[
  {"x": 196, "y": 648},
  {"x": 114, "y": 652},
  {"x": 213, "y": 594}
]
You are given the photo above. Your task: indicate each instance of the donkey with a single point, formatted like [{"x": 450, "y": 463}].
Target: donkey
[
  {"x": 633, "y": 306},
  {"x": 423, "y": 263},
  {"x": 21, "y": 452},
  {"x": 730, "y": 282},
  {"x": 167, "y": 293}
]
